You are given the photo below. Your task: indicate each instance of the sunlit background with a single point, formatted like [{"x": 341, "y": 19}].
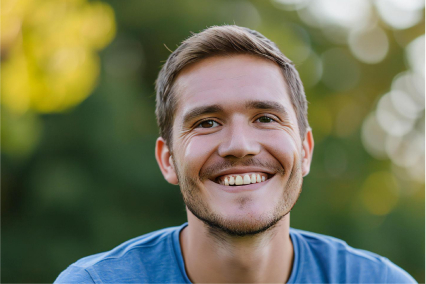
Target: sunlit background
[{"x": 78, "y": 127}]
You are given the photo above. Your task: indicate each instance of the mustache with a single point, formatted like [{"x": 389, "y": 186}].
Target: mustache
[{"x": 228, "y": 164}]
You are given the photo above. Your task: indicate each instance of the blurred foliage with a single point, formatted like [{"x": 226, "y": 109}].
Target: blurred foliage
[
  {"x": 79, "y": 174},
  {"x": 49, "y": 59}
]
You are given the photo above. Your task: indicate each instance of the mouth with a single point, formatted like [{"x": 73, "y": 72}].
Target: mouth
[{"x": 242, "y": 178}]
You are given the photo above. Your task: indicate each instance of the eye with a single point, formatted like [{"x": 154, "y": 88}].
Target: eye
[
  {"x": 265, "y": 119},
  {"x": 207, "y": 124}
]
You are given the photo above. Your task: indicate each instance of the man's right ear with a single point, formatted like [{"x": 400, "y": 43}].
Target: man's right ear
[{"x": 164, "y": 160}]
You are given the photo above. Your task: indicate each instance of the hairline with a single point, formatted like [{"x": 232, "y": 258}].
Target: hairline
[{"x": 227, "y": 40}]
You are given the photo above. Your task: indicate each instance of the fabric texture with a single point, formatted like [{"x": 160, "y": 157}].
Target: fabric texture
[{"x": 157, "y": 258}]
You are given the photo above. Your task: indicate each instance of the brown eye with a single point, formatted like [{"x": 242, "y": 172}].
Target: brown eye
[
  {"x": 208, "y": 124},
  {"x": 265, "y": 119}
]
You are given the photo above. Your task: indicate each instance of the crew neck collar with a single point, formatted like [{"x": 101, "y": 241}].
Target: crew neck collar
[{"x": 181, "y": 263}]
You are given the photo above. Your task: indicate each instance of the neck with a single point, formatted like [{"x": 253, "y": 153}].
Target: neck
[{"x": 211, "y": 256}]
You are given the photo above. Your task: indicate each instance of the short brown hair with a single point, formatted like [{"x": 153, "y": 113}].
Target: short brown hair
[{"x": 223, "y": 40}]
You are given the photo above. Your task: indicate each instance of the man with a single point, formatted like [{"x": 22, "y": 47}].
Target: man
[{"x": 235, "y": 137}]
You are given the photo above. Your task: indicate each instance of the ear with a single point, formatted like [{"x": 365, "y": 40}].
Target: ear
[
  {"x": 165, "y": 161},
  {"x": 307, "y": 151}
]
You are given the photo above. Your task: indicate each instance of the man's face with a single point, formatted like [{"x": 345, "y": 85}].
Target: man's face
[{"x": 234, "y": 121}]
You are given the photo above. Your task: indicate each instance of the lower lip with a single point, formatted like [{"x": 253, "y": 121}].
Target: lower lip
[{"x": 242, "y": 188}]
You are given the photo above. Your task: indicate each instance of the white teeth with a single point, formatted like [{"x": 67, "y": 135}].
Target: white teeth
[
  {"x": 247, "y": 179},
  {"x": 242, "y": 179},
  {"x": 239, "y": 180}
]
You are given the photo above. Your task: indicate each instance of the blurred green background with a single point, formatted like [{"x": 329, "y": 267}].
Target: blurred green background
[{"x": 78, "y": 126}]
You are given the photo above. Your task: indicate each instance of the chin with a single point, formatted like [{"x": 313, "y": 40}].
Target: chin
[
  {"x": 245, "y": 213},
  {"x": 240, "y": 222}
]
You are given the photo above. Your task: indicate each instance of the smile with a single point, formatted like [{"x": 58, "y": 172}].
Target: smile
[{"x": 242, "y": 178}]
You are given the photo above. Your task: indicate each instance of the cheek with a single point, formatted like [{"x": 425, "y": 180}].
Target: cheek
[
  {"x": 196, "y": 151},
  {"x": 282, "y": 146}
]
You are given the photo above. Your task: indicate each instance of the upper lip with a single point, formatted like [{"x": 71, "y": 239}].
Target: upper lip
[{"x": 241, "y": 170}]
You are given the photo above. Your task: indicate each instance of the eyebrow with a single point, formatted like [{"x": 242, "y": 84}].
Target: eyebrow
[
  {"x": 268, "y": 105},
  {"x": 202, "y": 110},
  {"x": 209, "y": 109}
]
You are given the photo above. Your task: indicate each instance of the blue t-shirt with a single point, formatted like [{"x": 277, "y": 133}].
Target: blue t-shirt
[{"x": 157, "y": 258}]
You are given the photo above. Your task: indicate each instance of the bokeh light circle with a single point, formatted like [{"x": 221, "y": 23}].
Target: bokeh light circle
[{"x": 369, "y": 45}]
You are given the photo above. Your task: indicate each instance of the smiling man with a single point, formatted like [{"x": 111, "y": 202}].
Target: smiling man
[{"x": 235, "y": 138}]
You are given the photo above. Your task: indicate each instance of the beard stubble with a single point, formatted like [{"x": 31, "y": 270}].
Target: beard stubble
[{"x": 216, "y": 223}]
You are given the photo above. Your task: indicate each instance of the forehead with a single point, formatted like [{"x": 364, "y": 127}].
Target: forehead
[{"x": 230, "y": 80}]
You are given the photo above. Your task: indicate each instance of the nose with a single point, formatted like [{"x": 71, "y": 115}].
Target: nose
[{"x": 240, "y": 141}]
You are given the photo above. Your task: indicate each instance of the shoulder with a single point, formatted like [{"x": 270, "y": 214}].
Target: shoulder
[
  {"x": 395, "y": 274},
  {"x": 74, "y": 274},
  {"x": 134, "y": 258},
  {"x": 333, "y": 260}
]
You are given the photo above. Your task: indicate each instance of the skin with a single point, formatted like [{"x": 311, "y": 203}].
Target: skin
[{"x": 236, "y": 234}]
